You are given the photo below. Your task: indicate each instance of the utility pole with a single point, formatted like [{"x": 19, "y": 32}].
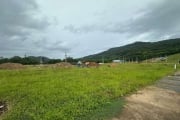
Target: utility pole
[
  {"x": 102, "y": 59},
  {"x": 136, "y": 59},
  {"x": 123, "y": 59},
  {"x": 41, "y": 60},
  {"x": 25, "y": 55},
  {"x": 65, "y": 57}
]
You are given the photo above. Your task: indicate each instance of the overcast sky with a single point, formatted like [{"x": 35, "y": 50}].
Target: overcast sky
[{"x": 83, "y": 27}]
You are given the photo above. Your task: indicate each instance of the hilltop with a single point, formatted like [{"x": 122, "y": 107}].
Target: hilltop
[{"x": 139, "y": 51}]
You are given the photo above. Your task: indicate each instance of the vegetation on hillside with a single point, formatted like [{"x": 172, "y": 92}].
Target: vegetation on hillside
[
  {"x": 75, "y": 93},
  {"x": 139, "y": 51},
  {"x": 174, "y": 58}
]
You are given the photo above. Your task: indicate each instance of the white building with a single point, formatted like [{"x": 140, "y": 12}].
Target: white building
[{"x": 117, "y": 61}]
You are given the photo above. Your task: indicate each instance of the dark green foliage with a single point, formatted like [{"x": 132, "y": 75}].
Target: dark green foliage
[
  {"x": 71, "y": 60},
  {"x": 53, "y": 61},
  {"x": 139, "y": 51},
  {"x": 4, "y": 60},
  {"x": 32, "y": 60}
]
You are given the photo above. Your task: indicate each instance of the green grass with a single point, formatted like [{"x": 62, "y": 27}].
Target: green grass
[
  {"x": 75, "y": 93},
  {"x": 174, "y": 58}
]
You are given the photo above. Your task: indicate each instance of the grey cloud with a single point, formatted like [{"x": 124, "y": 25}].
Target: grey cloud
[
  {"x": 61, "y": 49},
  {"x": 72, "y": 29},
  {"x": 85, "y": 28},
  {"x": 19, "y": 18},
  {"x": 162, "y": 20},
  {"x": 57, "y": 46},
  {"x": 9, "y": 48},
  {"x": 52, "y": 47},
  {"x": 158, "y": 20},
  {"x": 20, "y": 22},
  {"x": 38, "y": 47}
]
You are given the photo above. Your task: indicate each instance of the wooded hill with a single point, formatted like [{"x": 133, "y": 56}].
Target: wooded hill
[{"x": 138, "y": 51}]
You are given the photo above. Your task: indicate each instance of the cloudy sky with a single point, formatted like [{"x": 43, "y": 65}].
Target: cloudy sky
[{"x": 83, "y": 27}]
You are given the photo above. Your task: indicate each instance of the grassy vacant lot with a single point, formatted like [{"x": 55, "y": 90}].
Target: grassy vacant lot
[
  {"x": 74, "y": 93},
  {"x": 174, "y": 58}
]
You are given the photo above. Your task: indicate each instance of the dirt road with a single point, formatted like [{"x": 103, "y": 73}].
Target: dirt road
[{"x": 158, "y": 102}]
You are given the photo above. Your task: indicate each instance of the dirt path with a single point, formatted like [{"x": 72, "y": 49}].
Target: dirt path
[{"x": 158, "y": 102}]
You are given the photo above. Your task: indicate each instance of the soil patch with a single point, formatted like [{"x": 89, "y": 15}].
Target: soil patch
[
  {"x": 11, "y": 66},
  {"x": 3, "y": 107},
  {"x": 62, "y": 65},
  {"x": 113, "y": 64},
  {"x": 158, "y": 102}
]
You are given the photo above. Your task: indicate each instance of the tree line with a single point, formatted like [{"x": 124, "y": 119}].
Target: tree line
[{"x": 32, "y": 60}]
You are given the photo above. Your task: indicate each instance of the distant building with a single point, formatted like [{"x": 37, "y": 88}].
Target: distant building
[
  {"x": 163, "y": 58},
  {"x": 79, "y": 64},
  {"x": 159, "y": 59},
  {"x": 1, "y": 57},
  {"x": 117, "y": 61}
]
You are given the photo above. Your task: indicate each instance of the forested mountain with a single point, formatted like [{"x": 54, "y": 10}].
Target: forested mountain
[{"x": 139, "y": 51}]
